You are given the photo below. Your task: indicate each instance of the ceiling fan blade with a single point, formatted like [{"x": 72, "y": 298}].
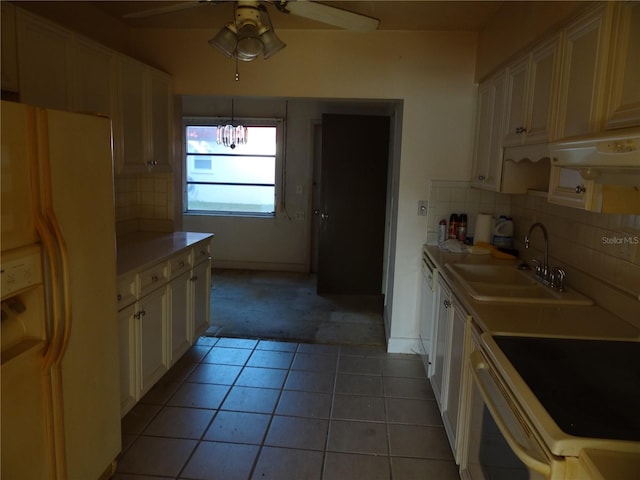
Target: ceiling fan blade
[
  {"x": 183, "y": 5},
  {"x": 332, "y": 16}
]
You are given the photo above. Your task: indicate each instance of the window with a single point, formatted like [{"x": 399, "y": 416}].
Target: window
[{"x": 224, "y": 181}]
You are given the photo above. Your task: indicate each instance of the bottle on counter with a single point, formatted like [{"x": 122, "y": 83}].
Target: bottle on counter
[
  {"x": 503, "y": 232},
  {"x": 453, "y": 225},
  {"x": 442, "y": 231},
  {"x": 461, "y": 232}
]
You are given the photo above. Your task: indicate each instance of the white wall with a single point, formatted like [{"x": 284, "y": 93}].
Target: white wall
[{"x": 432, "y": 72}]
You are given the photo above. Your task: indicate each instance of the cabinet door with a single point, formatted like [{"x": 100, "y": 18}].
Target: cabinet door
[
  {"x": 131, "y": 97},
  {"x": 542, "y": 90},
  {"x": 128, "y": 359},
  {"x": 44, "y": 63},
  {"x": 584, "y": 68},
  {"x": 95, "y": 74},
  {"x": 494, "y": 171},
  {"x": 455, "y": 363},
  {"x": 516, "y": 118},
  {"x": 201, "y": 297},
  {"x": 441, "y": 335},
  {"x": 180, "y": 331},
  {"x": 624, "y": 102},
  {"x": 160, "y": 121},
  {"x": 152, "y": 319},
  {"x": 567, "y": 187},
  {"x": 484, "y": 114},
  {"x": 9, "y": 66}
]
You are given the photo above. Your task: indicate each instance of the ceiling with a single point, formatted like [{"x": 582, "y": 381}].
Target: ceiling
[{"x": 393, "y": 15}]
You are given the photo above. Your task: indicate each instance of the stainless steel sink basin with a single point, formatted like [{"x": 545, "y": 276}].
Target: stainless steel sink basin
[{"x": 505, "y": 283}]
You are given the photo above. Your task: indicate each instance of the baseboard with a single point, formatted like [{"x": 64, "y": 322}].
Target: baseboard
[
  {"x": 271, "y": 267},
  {"x": 403, "y": 345}
]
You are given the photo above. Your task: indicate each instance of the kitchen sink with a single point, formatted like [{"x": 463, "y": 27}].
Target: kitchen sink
[{"x": 506, "y": 283}]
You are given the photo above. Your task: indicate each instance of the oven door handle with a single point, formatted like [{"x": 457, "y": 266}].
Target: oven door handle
[{"x": 528, "y": 458}]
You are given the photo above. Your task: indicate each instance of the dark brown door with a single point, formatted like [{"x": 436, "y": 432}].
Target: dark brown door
[{"x": 353, "y": 184}]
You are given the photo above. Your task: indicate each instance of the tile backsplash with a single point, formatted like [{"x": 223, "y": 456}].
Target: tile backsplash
[
  {"x": 144, "y": 202},
  {"x": 604, "y": 246},
  {"x": 447, "y": 197},
  {"x": 600, "y": 252}
]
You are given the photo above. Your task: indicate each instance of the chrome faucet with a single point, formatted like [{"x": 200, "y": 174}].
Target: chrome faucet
[
  {"x": 552, "y": 277},
  {"x": 544, "y": 268}
]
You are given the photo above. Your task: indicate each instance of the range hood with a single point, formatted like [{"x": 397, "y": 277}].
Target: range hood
[{"x": 611, "y": 158}]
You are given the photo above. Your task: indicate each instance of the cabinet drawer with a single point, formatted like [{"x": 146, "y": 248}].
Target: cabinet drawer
[
  {"x": 179, "y": 264},
  {"x": 126, "y": 290},
  {"x": 153, "y": 277},
  {"x": 201, "y": 252}
]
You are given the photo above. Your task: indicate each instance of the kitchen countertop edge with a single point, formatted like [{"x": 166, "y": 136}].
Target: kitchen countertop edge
[
  {"x": 531, "y": 319},
  {"x": 138, "y": 250}
]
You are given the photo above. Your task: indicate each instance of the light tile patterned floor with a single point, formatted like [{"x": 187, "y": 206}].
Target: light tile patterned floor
[{"x": 239, "y": 409}]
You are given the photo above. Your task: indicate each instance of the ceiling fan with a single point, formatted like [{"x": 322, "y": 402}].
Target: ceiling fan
[{"x": 251, "y": 32}]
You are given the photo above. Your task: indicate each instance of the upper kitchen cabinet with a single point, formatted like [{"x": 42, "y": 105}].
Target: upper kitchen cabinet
[
  {"x": 487, "y": 159},
  {"x": 583, "y": 74},
  {"x": 95, "y": 79},
  {"x": 9, "y": 67},
  {"x": 493, "y": 167},
  {"x": 531, "y": 85},
  {"x": 145, "y": 118},
  {"x": 44, "y": 62},
  {"x": 624, "y": 99},
  {"x": 160, "y": 118}
]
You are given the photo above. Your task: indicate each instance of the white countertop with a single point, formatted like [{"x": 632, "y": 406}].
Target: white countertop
[
  {"x": 141, "y": 249},
  {"x": 531, "y": 319}
]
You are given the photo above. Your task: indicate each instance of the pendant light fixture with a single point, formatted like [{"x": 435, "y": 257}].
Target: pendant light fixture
[{"x": 231, "y": 135}]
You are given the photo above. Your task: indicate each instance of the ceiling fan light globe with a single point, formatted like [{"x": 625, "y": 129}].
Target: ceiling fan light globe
[
  {"x": 249, "y": 43},
  {"x": 225, "y": 41},
  {"x": 272, "y": 44},
  {"x": 244, "y": 57}
]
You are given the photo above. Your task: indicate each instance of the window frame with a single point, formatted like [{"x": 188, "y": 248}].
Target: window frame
[{"x": 249, "y": 122}]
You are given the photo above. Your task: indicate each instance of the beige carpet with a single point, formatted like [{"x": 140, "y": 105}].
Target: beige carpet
[{"x": 285, "y": 306}]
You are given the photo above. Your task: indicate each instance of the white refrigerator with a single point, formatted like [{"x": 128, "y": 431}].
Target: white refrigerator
[{"x": 59, "y": 367}]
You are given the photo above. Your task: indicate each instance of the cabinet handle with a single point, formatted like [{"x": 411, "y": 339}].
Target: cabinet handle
[
  {"x": 193, "y": 279},
  {"x": 152, "y": 163},
  {"x": 139, "y": 314},
  {"x": 154, "y": 278},
  {"x": 181, "y": 263},
  {"x": 481, "y": 178},
  {"x": 580, "y": 189},
  {"x": 119, "y": 296},
  {"x": 521, "y": 129},
  {"x": 447, "y": 304}
]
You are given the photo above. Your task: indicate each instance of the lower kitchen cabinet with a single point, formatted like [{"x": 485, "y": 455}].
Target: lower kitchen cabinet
[
  {"x": 454, "y": 368},
  {"x": 440, "y": 339},
  {"x": 142, "y": 338},
  {"x": 200, "y": 301},
  {"x": 448, "y": 360},
  {"x": 180, "y": 336},
  {"x": 163, "y": 308},
  {"x": 152, "y": 319},
  {"x": 127, "y": 344}
]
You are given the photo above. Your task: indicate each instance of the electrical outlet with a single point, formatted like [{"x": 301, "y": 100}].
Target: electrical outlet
[
  {"x": 299, "y": 189},
  {"x": 423, "y": 208}
]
